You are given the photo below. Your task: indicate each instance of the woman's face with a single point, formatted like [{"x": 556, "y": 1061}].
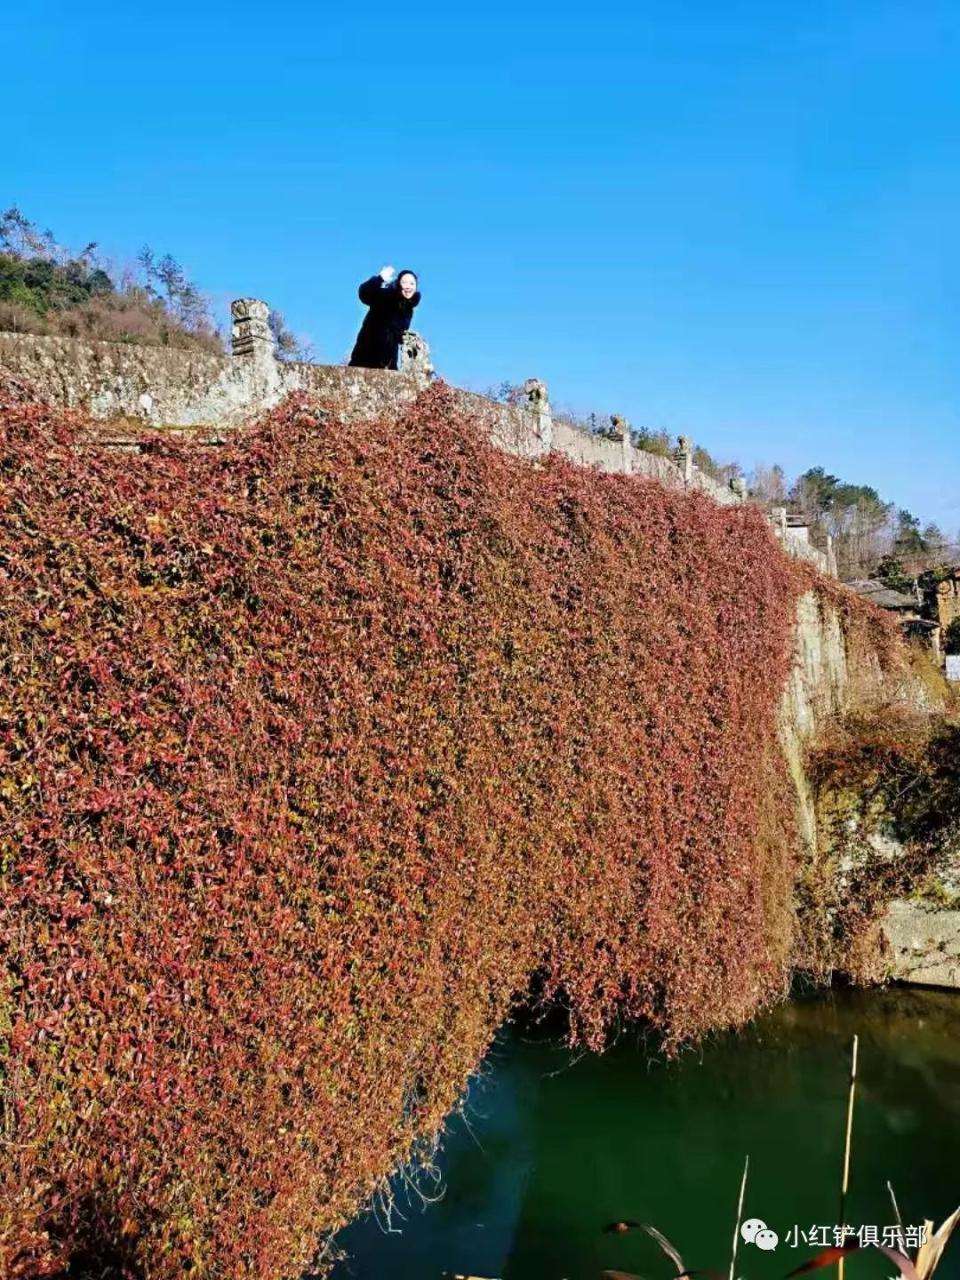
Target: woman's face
[{"x": 408, "y": 284}]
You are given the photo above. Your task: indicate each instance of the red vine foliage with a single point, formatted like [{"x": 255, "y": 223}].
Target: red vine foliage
[{"x": 315, "y": 751}]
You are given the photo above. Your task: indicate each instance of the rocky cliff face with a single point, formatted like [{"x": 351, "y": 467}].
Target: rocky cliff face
[
  {"x": 817, "y": 689},
  {"x": 850, "y": 832}
]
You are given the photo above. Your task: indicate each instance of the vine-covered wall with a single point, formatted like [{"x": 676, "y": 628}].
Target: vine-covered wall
[{"x": 320, "y": 751}]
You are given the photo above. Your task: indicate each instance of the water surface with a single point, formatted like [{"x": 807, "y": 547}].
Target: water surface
[{"x": 552, "y": 1147}]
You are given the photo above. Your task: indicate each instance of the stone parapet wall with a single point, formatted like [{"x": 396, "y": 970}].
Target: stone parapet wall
[
  {"x": 795, "y": 540},
  {"x": 801, "y": 548},
  {"x": 616, "y": 456},
  {"x": 161, "y": 385},
  {"x": 170, "y": 387}
]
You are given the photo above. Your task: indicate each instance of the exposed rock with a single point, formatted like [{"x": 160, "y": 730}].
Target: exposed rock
[
  {"x": 924, "y": 943},
  {"x": 415, "y": 359}
]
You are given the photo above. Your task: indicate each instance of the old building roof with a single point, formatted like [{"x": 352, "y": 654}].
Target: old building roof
[{"x": 880, "y": 594}]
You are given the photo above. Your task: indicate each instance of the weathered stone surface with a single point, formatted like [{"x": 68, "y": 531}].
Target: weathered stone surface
[
  {"x": 536, "y": 393},
  {"x": 795, "y": 540},
  {"x": 252, "y": 335},
  {"x": 947, "y": 598},
  {"x": 175, "y": 388},
  {"x": 924, "y": 943},
  {"x": 415, "y": 359},
  {"x": 108, "y": 379},
  {"x": 627, "y": 451},
  {"x": 587, "y": 449},
  {"x": 683, "y": 457},
  {"x": 540, "y": 415},
  {"x": 818, "y": 687},
  {"x": 249, "y": 309}
]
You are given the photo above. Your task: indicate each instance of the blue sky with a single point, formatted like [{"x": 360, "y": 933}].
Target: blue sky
[{"x": 735, "y": 220}]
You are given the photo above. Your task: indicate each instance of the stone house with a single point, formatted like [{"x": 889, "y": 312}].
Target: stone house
[{"x": 908, "y": 609}]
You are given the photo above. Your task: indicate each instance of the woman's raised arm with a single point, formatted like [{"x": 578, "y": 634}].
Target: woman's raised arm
[{"x": 369, "y": 290}]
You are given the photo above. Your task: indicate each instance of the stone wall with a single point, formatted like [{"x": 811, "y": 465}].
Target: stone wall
[
  {"x": 160, "y": 385},
  {"x": 924, "y": 943},
  {"x": 169, "y": 387},
  {"x": 817, "y": 689},
  {"x": 173, "y": 388},
  {"x": 947, "y": 599},
  {"x": 922, "y": 937}
]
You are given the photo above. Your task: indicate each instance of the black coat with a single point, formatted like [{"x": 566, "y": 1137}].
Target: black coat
[{"x": 378, "y": 342}]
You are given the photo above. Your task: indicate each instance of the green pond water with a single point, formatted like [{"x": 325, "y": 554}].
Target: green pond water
[{"x": 552, "y": 1147}]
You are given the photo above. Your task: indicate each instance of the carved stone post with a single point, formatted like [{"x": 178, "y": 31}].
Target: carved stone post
[
  {"x": 831, "y": 557},
  {"x": 415, "y": 358},
  {"x": 621, "y": 428},
  {"x": 683, "y": 457},
  {"x": 253, "y": 347},
  {"x": 252, "y": 335},
  {"x": 538, "y": 403}
]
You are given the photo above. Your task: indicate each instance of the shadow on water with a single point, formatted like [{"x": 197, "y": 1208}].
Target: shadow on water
[{"x": 552, "y": 1147}]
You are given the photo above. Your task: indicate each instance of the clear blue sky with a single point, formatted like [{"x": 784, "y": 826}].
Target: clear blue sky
[{"x": 737, "y": 220}]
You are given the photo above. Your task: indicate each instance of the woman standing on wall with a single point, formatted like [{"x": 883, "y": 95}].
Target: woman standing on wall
[{"x": 391, "y": 304}]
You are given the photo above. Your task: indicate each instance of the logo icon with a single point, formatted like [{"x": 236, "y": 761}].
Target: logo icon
[{"x": 755, "y": 1231}]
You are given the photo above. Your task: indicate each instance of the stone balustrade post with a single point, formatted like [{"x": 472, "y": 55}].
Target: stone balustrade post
[
  {"x": 538, "y": 403},
  {"x": 254, "y": 350},
  {"x": 415, "y": 359},
  {"x": 683, "y": 457},
  {"x": 252, "y": 335},
  {"x": 621, "y": 427}
]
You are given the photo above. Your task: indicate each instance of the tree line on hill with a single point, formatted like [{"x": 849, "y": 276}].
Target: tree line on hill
[
  {"x": 46, "y": 288},
  {"x": 871, "y": 537}
]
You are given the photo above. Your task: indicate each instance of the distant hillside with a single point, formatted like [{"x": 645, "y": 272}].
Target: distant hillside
[{"x": 47, "y": 289}]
